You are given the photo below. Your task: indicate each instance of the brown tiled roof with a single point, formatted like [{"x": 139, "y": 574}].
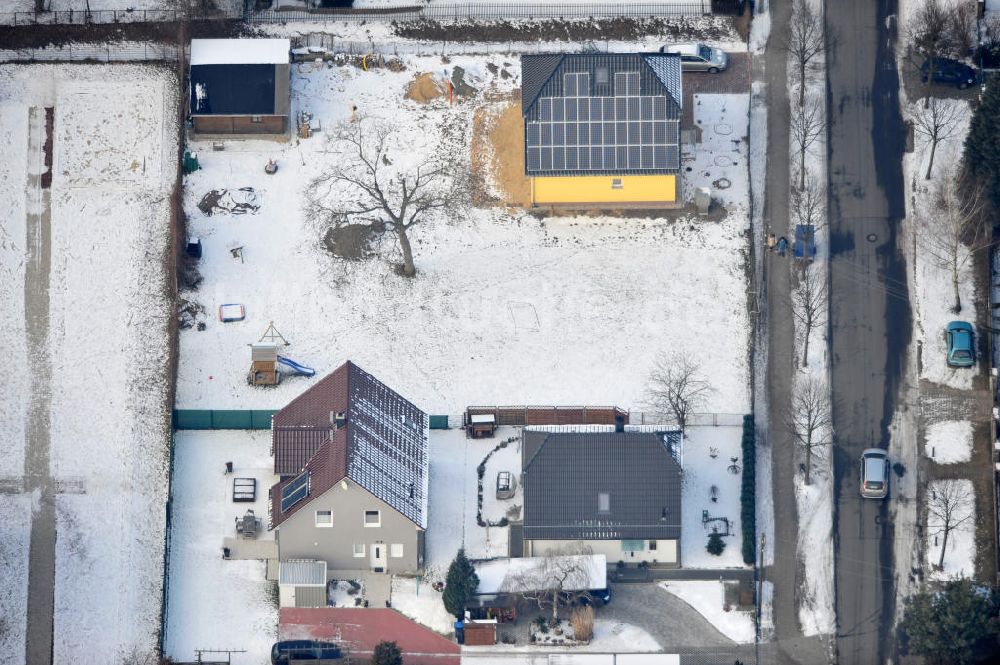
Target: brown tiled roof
[
  {"x": 297, "y": 446},
  {"x": 382, "y": 447}
]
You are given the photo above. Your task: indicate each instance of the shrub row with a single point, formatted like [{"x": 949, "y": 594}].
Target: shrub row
[{"x": 748, "y": 491}]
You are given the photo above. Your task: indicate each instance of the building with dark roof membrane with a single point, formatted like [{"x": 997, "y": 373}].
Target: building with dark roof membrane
[
  {"x": 618, "y": 493},
  {"x": 353, "y": 459},
  {"x": 602, "y": 129},
  {"x": 240, "y": 86}
]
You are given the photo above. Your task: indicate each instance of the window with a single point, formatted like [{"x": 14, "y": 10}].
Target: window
[
  {"x": 294, "y": 492},
  {"x": 255, "y": 118},
  {"x": 604, "y": 498},
  {"x": 616, "y": 183},
  {"x": 324, "y": 518},
  {"x": 652, "y": 545},
  {"x": 396, "y": 550},
  {"x": 601, "y": 76},
  {"x": 633, "y": 545},
  {"x": 373, "y": 518},
  {"x": 359, "y": 549}
]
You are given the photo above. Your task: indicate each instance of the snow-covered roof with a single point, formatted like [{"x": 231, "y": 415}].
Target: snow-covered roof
[
  {"x": 483, "y": 418},
  {"x": 240, "y": 51},
  {"x": 493, "y": 574}
]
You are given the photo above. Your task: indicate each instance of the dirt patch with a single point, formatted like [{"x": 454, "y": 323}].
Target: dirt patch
[
  {"x": 38, "y": 36},
  {"x": 674, "y": 28},
  {"x": 350, "y": 241},
  {"x": 424, "y": 88},
  {"x": 498, "y": 153}
]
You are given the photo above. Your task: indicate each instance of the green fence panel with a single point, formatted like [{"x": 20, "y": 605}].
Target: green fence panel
[
  {"x": 261, "y": 418},
  {"x": 439, "y": 422},
  {"x": 231, "y": 419},
  {"x": 192, "y": 419}
]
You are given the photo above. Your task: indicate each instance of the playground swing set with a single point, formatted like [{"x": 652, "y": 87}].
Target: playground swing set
[{"x": 265, "y": 360}]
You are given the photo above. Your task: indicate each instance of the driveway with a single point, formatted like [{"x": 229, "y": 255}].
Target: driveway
[{"x": 672, "y": 622}]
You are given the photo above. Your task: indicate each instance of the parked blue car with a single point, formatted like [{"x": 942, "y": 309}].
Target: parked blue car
[{"x": 961, "y": 344}]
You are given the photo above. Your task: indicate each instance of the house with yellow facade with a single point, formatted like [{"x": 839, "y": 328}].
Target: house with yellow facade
[{"x": 602, "y": 129}]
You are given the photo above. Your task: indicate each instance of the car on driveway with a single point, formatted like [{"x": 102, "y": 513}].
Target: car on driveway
[
  {"x": 698, "y": 57},
  {"x": 961, "y": 344},
  {"x": 874, "y": 473},
  {"x": 949, "y": 72}
]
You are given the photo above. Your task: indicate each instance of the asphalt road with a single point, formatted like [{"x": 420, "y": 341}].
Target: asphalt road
[{"x": 869, "y": 318}]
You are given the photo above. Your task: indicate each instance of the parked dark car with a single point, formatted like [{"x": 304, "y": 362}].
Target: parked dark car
[
  {"x": 284, "y": 653},
  {"x": 596, "y": 597},
  {"x": 949, "y": 72}
]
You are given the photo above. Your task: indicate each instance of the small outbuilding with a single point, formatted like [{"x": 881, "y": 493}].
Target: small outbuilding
[{"x": 240, "y": 86}]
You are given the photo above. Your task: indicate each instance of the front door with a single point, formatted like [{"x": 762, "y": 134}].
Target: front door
[{"x": 378, "y": 557}]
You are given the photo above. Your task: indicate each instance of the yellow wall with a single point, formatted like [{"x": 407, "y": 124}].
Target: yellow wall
[{"x": 598, "y": 189}]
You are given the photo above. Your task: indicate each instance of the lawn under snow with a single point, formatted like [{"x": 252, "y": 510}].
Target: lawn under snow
[
  {"x": 934, "y": 295},
  {"x": 113, "y": 148},
  {"x": 960, "y": 557},
  {"x": 949, "y": 441},
  {"x": 211, "y": 602},
  {"x": 702, "y": 472},
  {"x": 582, "y": 305},
  {"x": 708, "y": 599},
  {"x": 15, "y": 537}
]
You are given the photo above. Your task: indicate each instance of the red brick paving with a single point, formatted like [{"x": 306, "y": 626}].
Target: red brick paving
[{"x": 360, "y": 629}]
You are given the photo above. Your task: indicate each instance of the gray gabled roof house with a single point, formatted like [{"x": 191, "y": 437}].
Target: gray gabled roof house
[
  {"x": 619, "y": 493},
  {"x": 602, "y": 129},
  {"x": 353, "y": 458}
]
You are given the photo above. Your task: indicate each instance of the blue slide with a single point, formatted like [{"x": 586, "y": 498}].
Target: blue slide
[{"x": 297, "y": 368}]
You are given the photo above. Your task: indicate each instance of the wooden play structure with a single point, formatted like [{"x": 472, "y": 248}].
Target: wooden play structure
[{"x": 264, "y": 365}]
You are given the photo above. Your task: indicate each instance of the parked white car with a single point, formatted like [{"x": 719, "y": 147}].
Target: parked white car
[{"x": 698, "y": 57}]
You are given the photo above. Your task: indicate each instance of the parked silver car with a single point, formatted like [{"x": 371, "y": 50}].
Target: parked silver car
[
  {"x": 874, "y": 473},
  {"x": 698, "y": 57}
]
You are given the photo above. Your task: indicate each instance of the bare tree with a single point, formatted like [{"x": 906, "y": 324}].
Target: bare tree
[
  {"x": 804, "y": 42},
  {"x": 676, "y": 387},
  {"x": 950, "y": 506},
  {"x": 809, "y": 203},
  {"x": 936, "y": 122},
  {"x": 809, "y": 418},
  {"x": 991, "y": 32},
  {"x": 809, "y": 306},
  {"x": 957, "y": 227},
  {"x": 561, "y": 577},
  {"x": 366, "y": 186},
  {"x": 808, "y": 124},
  {"x": 962, "y": 28},
  {"x": 929, "y": 33}
]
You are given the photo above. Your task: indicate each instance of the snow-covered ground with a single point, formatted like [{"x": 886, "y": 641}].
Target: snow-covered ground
[
  {"x": 720, "y": 159},
  {"x": 15, "y": 536},
  {"x": 949, "y": 441},
  {"x": 603, "y": 296},
  {"x": 702, "y": 473},
  {"x": 934, "y": 297},
  {"x": 708, "y": 599},
  {"x": 211, "y": 602},
  {"x": 960, "y": 556},
  {"x": 114, "y": 148}
]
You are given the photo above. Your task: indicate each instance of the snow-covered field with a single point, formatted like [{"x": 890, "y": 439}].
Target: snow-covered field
[
  {"x": 949, "y": 441},
  {"x": 213, "y": 603},
  {"x": 114, "y": 148},
  {"x": 702, "y": 473},
  {"x": 15, "y": 536},
  {"x": 708, "y": 599},
  {"x": 603, "y": 296},
  {"x": 960, "y": 555}
]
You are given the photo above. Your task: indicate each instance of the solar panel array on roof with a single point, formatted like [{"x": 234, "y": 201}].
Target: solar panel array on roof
[
  {"x": 610, "y": 113},
  {"x": 624, "y": 132},
  {"x": 295, "y": 491}
]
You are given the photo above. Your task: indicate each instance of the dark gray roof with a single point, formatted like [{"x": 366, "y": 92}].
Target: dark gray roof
[
  {"x": 619, "y": 115},
  {"x": 564, "y": 474},
  {"x": 239, "y": 89}
]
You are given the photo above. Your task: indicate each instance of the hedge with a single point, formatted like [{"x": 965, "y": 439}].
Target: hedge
[{"x": 748, "y": 492}]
